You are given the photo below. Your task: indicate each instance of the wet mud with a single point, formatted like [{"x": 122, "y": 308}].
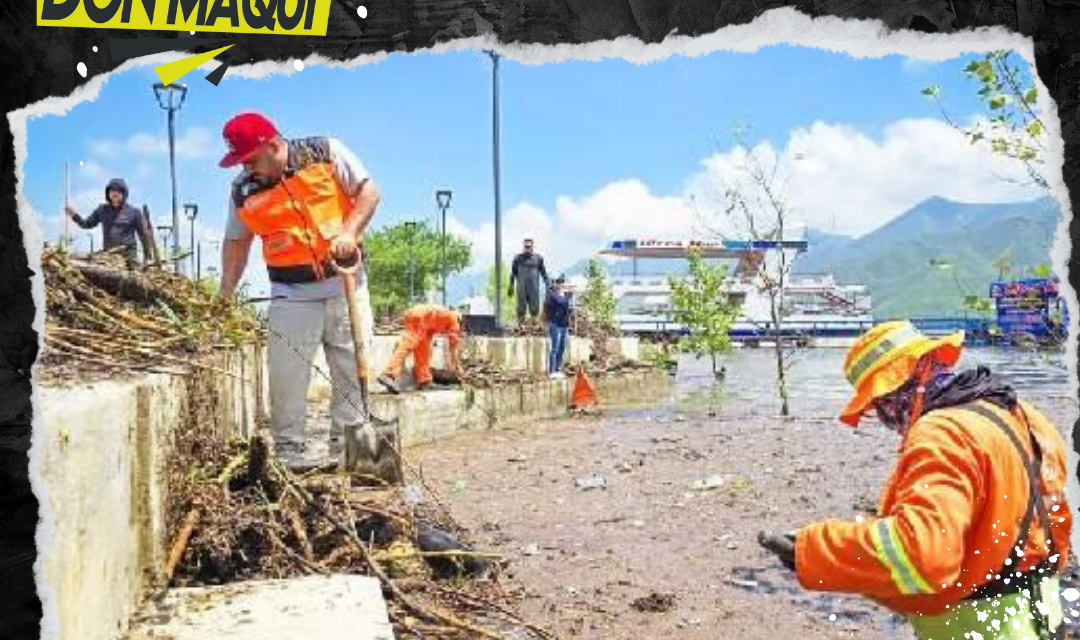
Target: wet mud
[{"x": 644, "y": 523}]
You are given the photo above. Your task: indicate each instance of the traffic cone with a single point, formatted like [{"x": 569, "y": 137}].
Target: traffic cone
[{"x": 584, "y": 393}]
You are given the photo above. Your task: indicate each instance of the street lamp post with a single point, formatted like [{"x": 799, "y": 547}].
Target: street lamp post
[
  {"x": 165, "y": 232},
  {"x": 170, "y": 98},
  {"x": 211, "y": 269},
  {"x": 442, "y": 197},
  {"x": 498, "y": 187},
  {"x": 191, "y": 211}
]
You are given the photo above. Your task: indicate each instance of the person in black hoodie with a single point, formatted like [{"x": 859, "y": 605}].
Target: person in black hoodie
[{"x": 120, "y": 223}]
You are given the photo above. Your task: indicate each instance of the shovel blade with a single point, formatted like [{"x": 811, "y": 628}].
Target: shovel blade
[{"x": 371, "y": 449}]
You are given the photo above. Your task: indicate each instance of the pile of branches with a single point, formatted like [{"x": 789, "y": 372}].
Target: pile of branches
[
  {"x": 254, "y": 519},
  {"x": 102, "y": 316},
  {"x": 529, "y": 328},
  {"x": 602, "y": 359},
  {"x": 389, "y": 326},
  {"x": 485, "y": 375}
]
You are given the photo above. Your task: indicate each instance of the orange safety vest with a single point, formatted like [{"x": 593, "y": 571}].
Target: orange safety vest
[
  {"x": 950, "y": 515},
  {"x": 297, "y": 216}
]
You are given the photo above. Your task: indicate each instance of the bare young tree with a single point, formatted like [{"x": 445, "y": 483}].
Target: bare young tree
[{"x": 756, "y": 204}]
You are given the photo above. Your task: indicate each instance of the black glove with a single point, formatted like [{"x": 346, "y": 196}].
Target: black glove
[
  {"x": 510, "y": 292},
  {"x": 781, "y": 544}
]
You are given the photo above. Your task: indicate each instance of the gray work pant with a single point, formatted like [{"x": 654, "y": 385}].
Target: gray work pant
[
  {"x": 297, "y": 328},
  {"x": 528, "y": 296}
]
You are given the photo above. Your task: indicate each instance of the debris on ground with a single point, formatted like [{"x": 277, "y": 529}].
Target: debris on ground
[
  {"x": 104, "y": 318},
  {"x": 592, "y": 481},
  {"x": 253, "y": 519},
  {"x": 485, "y": 375},
  {"x": 529, "y": 328},
  {"x": 708, "y": 484},
  {"x": 654, "y": 603}
]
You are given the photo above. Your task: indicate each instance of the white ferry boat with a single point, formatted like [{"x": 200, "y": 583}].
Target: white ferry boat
[{"x": 815, "y": 309}]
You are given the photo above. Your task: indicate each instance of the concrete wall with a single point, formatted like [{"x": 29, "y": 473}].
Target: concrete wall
[
  {"x": 431, "y": 416},
  {"x": 105, "y": 452},
  {"x": 104, "y": 458}
]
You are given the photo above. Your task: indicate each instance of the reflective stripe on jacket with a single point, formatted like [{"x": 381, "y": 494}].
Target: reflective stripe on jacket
[{"x": 949, "y": 515}]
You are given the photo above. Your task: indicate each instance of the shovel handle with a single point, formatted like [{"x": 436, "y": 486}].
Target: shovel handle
[{"x": 348, "y": 281}]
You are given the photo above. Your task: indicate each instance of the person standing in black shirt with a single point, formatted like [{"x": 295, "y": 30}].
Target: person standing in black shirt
[
  {"x": 526, "y": 271},
  {"x": 120, "y": 223}
]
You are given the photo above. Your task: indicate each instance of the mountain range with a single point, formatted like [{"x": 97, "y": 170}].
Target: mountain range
[{"x": 923, "y": 262}]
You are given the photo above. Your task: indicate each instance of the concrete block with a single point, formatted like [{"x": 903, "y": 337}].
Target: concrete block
[
  {"x": 104, "y": 452},
  {"x": 334, "y": 607}
]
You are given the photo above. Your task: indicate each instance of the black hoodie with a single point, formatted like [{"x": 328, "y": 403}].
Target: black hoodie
[{"x": 119, "y": 226}]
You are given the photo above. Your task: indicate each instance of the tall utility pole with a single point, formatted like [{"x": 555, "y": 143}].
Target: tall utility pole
[
  {"x": 170, "y": 98},
  {"x": 498, "y": 187},
  {"x": 411, "y": 228},
  {"x": 442, "y": 197},
  {"x": 66, "y": 239}
]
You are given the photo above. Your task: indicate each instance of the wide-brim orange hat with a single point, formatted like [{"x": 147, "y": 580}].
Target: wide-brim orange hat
[{"x": 884, "y": 358}]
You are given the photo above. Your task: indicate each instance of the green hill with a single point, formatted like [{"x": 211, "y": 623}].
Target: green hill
[{"x": 896, "y": 262}]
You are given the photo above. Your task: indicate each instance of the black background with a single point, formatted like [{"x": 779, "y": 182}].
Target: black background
[{"x": 40, "y": 62}]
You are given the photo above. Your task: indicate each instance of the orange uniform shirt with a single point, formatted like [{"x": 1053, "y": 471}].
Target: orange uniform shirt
[
  {"x": 430, "y": 319},
  {"x": 949, "y": 516}
]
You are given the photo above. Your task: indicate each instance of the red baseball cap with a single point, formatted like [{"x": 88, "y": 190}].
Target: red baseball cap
[{"x": 245, "y": 133}]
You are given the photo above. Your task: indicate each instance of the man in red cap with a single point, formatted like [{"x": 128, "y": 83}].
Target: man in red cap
[{"x": 309, "y": 201}]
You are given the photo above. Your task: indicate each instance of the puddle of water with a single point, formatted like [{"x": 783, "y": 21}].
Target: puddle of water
[
  {"x": 817, "y": 387},
  {"x": 773, "y": 581}
]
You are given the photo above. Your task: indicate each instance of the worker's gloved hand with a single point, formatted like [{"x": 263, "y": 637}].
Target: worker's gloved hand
[
  {"x": 780, "y": 544},
  {"x": 510, "y": 291}
]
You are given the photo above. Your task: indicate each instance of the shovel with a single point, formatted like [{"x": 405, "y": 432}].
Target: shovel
[{"x": 371, "y": 446}]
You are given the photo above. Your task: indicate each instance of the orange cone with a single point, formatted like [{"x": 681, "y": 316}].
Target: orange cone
[{"x": 584, "y": 393}]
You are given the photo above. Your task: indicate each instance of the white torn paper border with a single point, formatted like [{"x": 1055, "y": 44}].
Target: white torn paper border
[{"x": 781, "y": 26}]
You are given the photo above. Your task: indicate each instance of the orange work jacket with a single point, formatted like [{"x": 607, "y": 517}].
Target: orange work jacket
[
  {"x": 297, "y": 216},
  {"x": 949, "y": 516},
  {"x": 430, "y": 319}
]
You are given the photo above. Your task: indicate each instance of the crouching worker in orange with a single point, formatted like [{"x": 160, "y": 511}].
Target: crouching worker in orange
[
  {"x": 422, "y": 323},
  {"x": 972, "y": 532}
]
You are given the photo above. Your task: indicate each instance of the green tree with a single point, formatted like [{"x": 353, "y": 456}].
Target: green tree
[
  {"x": 404, "y": 263},
  {"x": 1008, "y": 93},
  {"x": 507, "y": 313},
  {"x": 597, "y": 302},
  {"x": 702, "y": 305}
]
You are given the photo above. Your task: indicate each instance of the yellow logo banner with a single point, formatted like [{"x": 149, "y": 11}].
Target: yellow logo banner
[{"x": 283, "y": 17}]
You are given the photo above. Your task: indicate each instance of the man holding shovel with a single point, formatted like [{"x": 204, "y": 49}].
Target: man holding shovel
[{"x": 309, "y": 201}]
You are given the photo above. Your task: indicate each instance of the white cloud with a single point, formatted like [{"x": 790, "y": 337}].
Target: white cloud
[
  {"x": 193, "y": 143},
  {"x": 916, "y": 65},
  {"x": 836, "y": 177}
]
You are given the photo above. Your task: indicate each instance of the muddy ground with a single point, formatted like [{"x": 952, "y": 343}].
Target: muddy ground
[{"x": 647, "y": 554}]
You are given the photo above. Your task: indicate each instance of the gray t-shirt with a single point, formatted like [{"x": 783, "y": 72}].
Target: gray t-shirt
[{"x": 351, "y": 175}]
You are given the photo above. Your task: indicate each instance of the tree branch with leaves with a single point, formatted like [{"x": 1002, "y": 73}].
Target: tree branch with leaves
[
  {"x": 702, "y": 304},
  {"x": 1015, "y": 129},
  {"x": 756, "y": 203}
]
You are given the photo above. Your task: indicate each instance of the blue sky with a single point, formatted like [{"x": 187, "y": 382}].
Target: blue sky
[{"x": 591, "y": 150}]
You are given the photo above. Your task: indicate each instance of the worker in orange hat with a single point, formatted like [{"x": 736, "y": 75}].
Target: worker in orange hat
[
  {"x": 422, "y": 323},
  {"x": 972, "y": 532}
]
